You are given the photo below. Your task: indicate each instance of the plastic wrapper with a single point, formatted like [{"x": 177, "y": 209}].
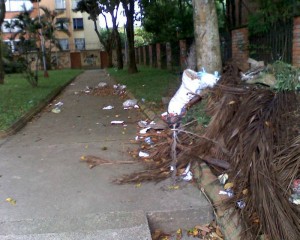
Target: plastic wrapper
[{"x": 130, "y": 103}]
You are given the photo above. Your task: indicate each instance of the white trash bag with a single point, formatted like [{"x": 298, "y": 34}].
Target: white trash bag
[{"x": 192, "y": 83}]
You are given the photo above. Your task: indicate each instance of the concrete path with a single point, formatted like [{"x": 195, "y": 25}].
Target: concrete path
[{"x": 59, "y": 197}]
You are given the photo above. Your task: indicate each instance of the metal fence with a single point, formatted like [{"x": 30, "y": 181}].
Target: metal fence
[{"x": 276, "y": 44}]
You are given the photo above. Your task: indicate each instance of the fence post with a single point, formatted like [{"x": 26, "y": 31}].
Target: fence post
[
  {"x": 136, "y": 51},
  {"x": 144, "y": 55},
  {"x": 140, "y": 55},
  {"x": 169, "y": 55},
  {"x": 240, "y": 44},
  {"x": 183, "y": 53},
  {"x": 158, "y": 55},
  {"x": 296, "y": 43},
  {"x": 150, "y": 55}
]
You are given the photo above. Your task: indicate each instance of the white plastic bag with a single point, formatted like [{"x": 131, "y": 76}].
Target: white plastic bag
[
  {"x": 129, "y": 103},
  {"x": 183, "y": 95}
]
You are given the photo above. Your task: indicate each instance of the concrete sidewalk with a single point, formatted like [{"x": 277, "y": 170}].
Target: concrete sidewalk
[{"x": 59, "y": 197}]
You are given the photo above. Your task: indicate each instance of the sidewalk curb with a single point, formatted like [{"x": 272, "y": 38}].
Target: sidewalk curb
[{"x": 20, "y": 123}]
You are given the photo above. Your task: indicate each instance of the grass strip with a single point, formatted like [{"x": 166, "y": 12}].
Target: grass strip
[
  {"x": 150, "y": 84},
  {"x": 17, "y": 97}
]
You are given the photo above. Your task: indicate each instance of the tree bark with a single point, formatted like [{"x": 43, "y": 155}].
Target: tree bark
[
  {"x": 128, "y": 6},
  {"x": 2, "y": 16},
  {"x": 207, "y": 38},
  {"x": 119, "y": 50}
]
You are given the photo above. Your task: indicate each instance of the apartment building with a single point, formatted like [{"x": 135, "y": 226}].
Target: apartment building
[{"x": 82, "y": 33}]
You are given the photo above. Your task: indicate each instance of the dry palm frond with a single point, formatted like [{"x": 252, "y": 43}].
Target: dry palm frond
[
  {"x": 94, "y": 161},
  {"x": 254, "y": 124}
]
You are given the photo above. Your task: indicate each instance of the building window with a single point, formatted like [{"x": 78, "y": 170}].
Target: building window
[
  {"x": 77, "y": 23},
  {"x": 60, "y": 4},
  {"x": 79, "y": 43},
  {"x": 17, "y": 5},
  {"x": 74, "y": 3},
  {"x": 64, "y": 43},
  {"x": 62, "y": 24}
]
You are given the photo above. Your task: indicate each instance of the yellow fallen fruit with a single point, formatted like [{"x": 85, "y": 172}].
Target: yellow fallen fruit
[{"x": 228, "y": 185}]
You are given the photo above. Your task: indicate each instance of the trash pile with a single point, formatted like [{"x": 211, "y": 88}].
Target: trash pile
[
  {"x": 253, "y": 138},
  {"x": 103, "y": 89}
]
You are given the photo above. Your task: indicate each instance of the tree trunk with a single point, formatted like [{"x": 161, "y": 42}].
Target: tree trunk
[
  {"x": 119, "y": 50},
  {"x": 207, "y": 36},
  {"x": 2, "y": 16},
  {"x": 129, "y": 11}
]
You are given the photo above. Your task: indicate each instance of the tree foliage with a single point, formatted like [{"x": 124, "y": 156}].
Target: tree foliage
[
  {"x": 167, "y": 19},
  {"x": 109, "y": 38},
  {"x": 270, "y": 12}
]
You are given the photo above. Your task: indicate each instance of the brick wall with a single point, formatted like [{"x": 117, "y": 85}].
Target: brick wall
[
  {"x": 296, "y": 42},
  {"x": 240, "y": 52}
]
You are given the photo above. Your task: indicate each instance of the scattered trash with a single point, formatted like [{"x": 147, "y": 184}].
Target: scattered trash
[
  {"x": 117, "y": 122},
  {"x": 223, "y": 178},
  {"x": 142, "y": 124},
  {"x": 148, "y": 140},
  {"x": 59, "y": 104},
  {"x": 143, "y": 154},
  {"x": 87, "y": 89},
  {"x": 143, "y": 131},
  {"x": 56, "y": 110},
  {"x": 295, "y": 197},
  {"x": 228, "y": 192},
  {"x": 102, "y": 85},
  {"x": 130, "y": 103},
  {"x": 109, "y": 107},
  {"x": 119, "y": 89},
  {"x": 11, "y": 201},
  {"x": 241, "y": 204},
  {"x": 187, "y": 174},
  {"x": 192, "y": 84}
]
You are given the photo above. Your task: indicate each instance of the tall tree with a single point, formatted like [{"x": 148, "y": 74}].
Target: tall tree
[
  {"x": 112, "y": 7},
  {"x": 2, "y": 16},
  {"x": 128, "y": 6},
  {"x": 51, "y": 23},
  {"x": 108, "y": 37},
  {"x": 207, "y": 38}
]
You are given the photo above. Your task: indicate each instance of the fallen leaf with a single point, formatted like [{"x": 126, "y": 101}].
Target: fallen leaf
[
  {"x": 245, "y": 191},
  {"x": 203, "y": 228},
  {"x": 138, "y": 185},
  {"x": 215, "y": 235},
  {"x": 218, "y": 231},
  {"x": 176, "y": 187},
  {"x": 195, "y": 232},
  {"x": 11, "y": 201},
  {"x": 83, "y": 158}
]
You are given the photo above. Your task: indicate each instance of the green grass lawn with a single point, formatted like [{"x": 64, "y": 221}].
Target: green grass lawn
[
  {"x": 17, "y": 96},
  {"x": 149, "y": 83}
]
